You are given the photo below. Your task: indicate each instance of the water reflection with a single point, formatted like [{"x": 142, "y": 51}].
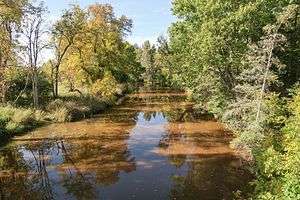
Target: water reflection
[{"x": 152, "y": 147}]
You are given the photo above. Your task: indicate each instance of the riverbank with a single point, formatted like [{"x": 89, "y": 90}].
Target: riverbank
[{"x": 18, "y": 120}]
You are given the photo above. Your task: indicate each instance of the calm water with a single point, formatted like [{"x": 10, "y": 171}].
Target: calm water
[{"x": 154, "y": 146}]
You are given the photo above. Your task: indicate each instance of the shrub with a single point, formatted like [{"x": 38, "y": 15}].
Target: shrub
[
  {"x": 70, "y": 108},
  {"x": 95, "y": 105},
  {"x": 107, "y": 88},
  {"x": 13, "y": 127},
  {"x": 60, "y": 114},
  {"x": 58, "y": 103},
  {"x": 39, "y": 115},
  {"x": 278, "y": 163},
  {"x": 2, "y": 126},
  {"x": 6, "y": 113},
  {"x": 17, "y": 78},
  {"x": 73, "y": 108},
  {"x": 16, "y": 120},
  {"x": 23, "y": 116}
]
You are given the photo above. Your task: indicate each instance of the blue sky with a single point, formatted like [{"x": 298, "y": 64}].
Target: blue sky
[{"x": 151, "y": 18}]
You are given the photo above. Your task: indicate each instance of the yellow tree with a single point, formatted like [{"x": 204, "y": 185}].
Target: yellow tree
[
  {"x": 99, "y": 48},
  {"x": 73, "y": 77},
  {"x": 104, "y": 38},
  {"x": 64, "y": 33},
  {"x": 11, "y": 13}
]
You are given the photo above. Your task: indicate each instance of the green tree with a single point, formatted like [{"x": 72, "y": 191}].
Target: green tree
[
  {"x": 104, "y": 40},
  {"x": 97, "y": 49},
  {"x": 209, "y": 42},
  {"x": 163, "y": 62},
  {"x": 277, "y": 164},
  {"x": 147, "y": 54},
  {"x": 239, "y": 60},
  {"x": 248, "y": 112},
  {"x": 290, "y": 57}
]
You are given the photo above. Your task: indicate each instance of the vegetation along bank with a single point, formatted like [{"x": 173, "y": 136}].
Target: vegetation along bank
[{"x": 238, "y": 60}]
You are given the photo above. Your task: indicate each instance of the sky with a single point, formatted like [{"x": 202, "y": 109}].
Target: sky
[{"x": 151, "y": 18}]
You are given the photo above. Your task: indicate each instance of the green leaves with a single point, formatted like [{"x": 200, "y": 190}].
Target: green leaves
[
  {"x": 239, "y": 59},
  {"x": 90, "y": 42}
]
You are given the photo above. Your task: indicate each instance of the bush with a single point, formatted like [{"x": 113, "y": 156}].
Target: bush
[
  {"x": 2, "y": 127},
  {"x": 278, "y": 163},
  {"x": 16, "y": 120},
  {"x": 70, "y": 108},
  {"x": 73, "y": 108},
  {"x": 23, "y": 116},
  {"x": 17, "y": 78},
  {"x": 39, "y": 115},
  {"x": 13, "y": 127},
  {"x": 60, "y": 114},
  {"x": 106, "y": 88},
  {"x": 95, "y": 105}
]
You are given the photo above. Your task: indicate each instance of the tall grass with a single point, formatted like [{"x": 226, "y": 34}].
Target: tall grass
[
  {"x": 71, "y": 108},
  {"x": 16, "y": 120},
  {"x": 65, "y": 109}
]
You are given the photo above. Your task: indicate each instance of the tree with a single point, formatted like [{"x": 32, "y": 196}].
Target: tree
[
  {"x": 209, "y": 42},
  {"x": 98, "y": 47},
  {"x": 147, "y": 62},
  {"x": 291, "y": 56},
  {"x": 248, "y": 113},
  {"x": 64, "y": 34},
  {"x": 130, "y": 69},
  {"x": 34, "y": 32},
  {"x": 10, "y": 19},
  {"x": 278, "y": 173},
  {"x": 103, "y": 45},
  {"x": 163, "y": 62}
]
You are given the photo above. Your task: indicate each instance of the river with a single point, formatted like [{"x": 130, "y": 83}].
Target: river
[{"x": 153, "y": 146}]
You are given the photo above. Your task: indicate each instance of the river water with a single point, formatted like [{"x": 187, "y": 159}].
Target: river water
[{"x": 153, "y": 146}]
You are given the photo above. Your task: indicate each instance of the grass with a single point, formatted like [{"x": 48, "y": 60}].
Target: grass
[
  {"x": 73, "y": 108},
  {"x": 14, "y": 120}
]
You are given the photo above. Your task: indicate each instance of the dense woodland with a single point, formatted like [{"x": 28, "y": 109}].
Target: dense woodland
[{"x": 238, "y": 60}]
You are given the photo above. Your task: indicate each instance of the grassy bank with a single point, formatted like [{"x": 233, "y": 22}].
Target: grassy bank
[{"x": 17, "y": 120}]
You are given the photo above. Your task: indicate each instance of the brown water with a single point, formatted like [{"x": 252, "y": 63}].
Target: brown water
[{"x": 154, "y": 146}]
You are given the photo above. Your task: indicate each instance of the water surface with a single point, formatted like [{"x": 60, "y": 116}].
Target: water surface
[{"x": 154, "y": 146}]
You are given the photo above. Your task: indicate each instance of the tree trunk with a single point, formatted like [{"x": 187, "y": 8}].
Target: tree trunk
[
  {"x": 52, "y": 79},
  {"x": 35, "y": 89},
  {"x": 3, "y": 98},
  {"x": 56, "y": 81},
  {"x": 3, "y": 88},
  {"x": 3, "y": 83},
  {"x": 263, "y": 88}
]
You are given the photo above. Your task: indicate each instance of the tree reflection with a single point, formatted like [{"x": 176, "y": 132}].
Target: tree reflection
[
  {"x": 81, "y": 166},
  {"x": 211, "y": 169},
  {"x": 210, "y": 178},
  {"x": 24, "y": 179}
]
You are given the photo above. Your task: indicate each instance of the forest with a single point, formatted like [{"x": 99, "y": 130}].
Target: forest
[{"x": 237, "y": 60}]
